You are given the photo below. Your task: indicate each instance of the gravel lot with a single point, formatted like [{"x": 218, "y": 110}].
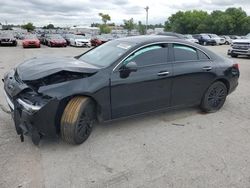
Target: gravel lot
[{"x": 181, "y": 148}]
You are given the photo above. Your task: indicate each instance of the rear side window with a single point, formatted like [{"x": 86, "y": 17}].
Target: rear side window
[
  {"x": 185, "y": 53},
  {"x": 202, "y": 56},
  {"x": 150, "y": 55}
]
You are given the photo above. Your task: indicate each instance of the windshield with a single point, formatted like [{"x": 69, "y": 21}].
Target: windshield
[
  {"x": 214, "y": 36},
  {"x": 80, "y": 37},
  {"x": 30, "y": 37},
  {"x": 6, "y": 35},
  {"x": 205, "y": 36},
  {"x": 188, "y": 36},
  {"x": 106, "y": 54},
  {"x": 248, "y": 36},
  {"x": 56, "y": 37}
]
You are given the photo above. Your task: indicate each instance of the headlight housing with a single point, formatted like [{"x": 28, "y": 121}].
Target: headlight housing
[{"x": 32, "y": 101}]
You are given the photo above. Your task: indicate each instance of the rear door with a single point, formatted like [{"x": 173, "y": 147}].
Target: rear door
[{"x": 193, "y": 73}]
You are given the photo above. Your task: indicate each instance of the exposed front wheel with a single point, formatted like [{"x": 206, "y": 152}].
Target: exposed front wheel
[
  {"x": 77, "y": 120},
  {"x": 214, "y": 98}
]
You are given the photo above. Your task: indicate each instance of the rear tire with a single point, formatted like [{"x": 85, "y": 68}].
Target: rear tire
[
  {"x": 214, "y": 98},
  {"x": 77, "y": 120}
]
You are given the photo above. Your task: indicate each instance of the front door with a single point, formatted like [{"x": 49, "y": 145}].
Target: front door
[{"x": 147, "y": 89}]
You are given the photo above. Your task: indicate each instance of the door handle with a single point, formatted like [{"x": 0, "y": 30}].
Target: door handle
[
  {"x": 163, "y": 73},
  {"x": 207, "y": 68}
]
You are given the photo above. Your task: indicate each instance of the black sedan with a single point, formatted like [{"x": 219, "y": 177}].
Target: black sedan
[{"x": 121, "y": 78}]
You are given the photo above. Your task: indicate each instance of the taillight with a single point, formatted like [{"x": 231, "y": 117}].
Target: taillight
[{"x": 236, "y": 66}]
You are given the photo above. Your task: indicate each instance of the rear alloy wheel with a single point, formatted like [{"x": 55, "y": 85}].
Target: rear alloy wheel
[
  {"x": 214, "y": 98},
  {"x": 77, "y": 120}
]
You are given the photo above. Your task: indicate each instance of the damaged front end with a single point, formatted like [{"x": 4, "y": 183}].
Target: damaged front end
[{"x": 34, "y": 112}]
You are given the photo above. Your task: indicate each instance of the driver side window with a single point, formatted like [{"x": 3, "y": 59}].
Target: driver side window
[{"x": 150, "y": 55}]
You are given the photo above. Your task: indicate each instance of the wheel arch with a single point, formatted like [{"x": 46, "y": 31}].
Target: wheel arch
[
  {"x": 63, "y": 103},
  {"x": 224, "y": 81}
]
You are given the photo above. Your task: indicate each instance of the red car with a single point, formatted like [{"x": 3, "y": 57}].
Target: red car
[
  {"x": 31, "y": 41},
  {"x": 55, "y": 40},
  {"x": 97, "y": 41}
]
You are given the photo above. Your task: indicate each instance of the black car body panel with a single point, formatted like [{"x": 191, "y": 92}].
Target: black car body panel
[{"x": 45, "y": 85}]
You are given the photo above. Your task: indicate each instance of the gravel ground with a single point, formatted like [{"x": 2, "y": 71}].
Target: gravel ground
[{"x": 181, "y": 148}]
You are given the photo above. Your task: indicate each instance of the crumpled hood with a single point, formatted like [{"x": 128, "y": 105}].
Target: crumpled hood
[{"x": 37, "y": 68}]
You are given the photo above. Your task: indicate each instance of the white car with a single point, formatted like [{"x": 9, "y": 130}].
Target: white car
[
  {"x": 190, "y": 38},
  {"x": 228, "y": 40},
  {"x": 219, "y": 40},
  {"x": 79, "y": 41},
  {"x": 240, "y": 47}
]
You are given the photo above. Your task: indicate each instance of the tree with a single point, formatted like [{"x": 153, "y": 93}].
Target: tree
[
  {"x": 141, "y": 28},
  {"x": 230, "y": 21},
  {"x": 129, "y": 25},
  {"x": 105, "y": 17},
  {"x": 29, "y": 27},
  {"x": 104, "y": 28},
  {"x": 50, "y": 26}
]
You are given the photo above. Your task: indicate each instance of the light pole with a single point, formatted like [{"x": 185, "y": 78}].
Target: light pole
[{"x": 146, "y": 18}]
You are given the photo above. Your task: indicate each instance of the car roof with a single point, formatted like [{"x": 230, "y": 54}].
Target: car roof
[{"x": 149, "y": 39}]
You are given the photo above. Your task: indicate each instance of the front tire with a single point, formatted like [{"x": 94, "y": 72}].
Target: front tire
[
  {"x": 214, "y": 98},
  {"x": 77, "y": 120}
]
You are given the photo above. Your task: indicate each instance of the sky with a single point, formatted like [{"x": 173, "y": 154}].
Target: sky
[{"x": 85, "y": 12}]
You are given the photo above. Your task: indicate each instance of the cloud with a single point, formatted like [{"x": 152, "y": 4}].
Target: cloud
[{"x": 85, "y": 12}]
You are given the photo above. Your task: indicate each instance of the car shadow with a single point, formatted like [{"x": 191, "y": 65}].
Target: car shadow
[{"x": 168, "y": 118}]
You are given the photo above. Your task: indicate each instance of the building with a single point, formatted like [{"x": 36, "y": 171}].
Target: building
[{"x": 85, "y": 30}]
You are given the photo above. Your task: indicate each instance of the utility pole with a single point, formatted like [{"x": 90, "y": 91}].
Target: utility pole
[{"x": 146, "y": 18}]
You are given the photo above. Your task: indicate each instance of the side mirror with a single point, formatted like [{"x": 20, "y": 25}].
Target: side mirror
[
  {"x": 131, "y": 66},
  {"x": 125, "y": 70}
]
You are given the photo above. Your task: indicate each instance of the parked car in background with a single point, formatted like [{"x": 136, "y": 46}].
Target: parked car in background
[
  {"x": 42, "y": 37},
  {"x": 228, "y": 40},
  {"x": 219, "y": 40},
  {"x": 204, "y": 39},
  {"x": 79, "y": 41},
  {"x": 121, "y": 78},
  {"x": 190, "y": 38},
  {"x": 240, "y": 47},
  {"x": 7, "y": 39},
  {"x": 67, "y": 37},
  {"x": 31, "y": 41},
  {"x": 55, "y": 40},
  {"x": 233, "y": 37},
  {"x": 98, "y": 40},
  {"x": 20, "y": 36}
]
